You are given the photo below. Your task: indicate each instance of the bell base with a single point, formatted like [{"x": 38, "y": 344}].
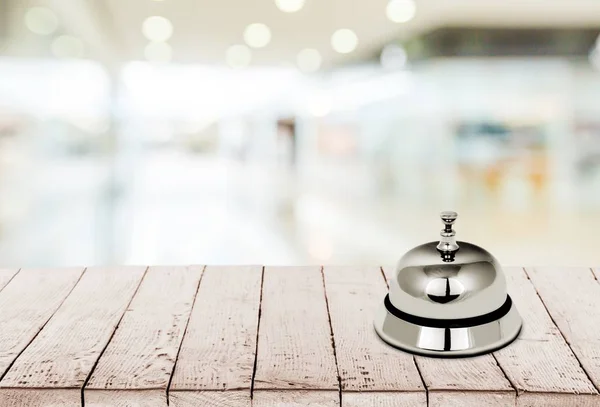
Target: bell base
[{"x": 447, "y": 342}]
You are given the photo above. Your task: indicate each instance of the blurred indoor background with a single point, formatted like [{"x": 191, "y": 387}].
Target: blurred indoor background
[{"x": 297, "y": 131}]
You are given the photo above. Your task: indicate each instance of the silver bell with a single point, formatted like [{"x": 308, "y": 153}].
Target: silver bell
[{"x": 448, "y": 299}]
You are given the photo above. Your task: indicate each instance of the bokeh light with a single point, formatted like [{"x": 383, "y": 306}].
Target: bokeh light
[
  {"x": 393, "y": 57},
  {"x": 257, "y": 35},
  {"x": 290, "y": 6},
  {"x": 157, "y": 28},
  {"x": 41, "y": 20},
  {"x": 401, "y": 11},
  {"x": 344, "y": 41}
]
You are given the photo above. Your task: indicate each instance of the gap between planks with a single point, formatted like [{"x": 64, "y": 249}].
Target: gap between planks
[
  {"x": 335, "y": 358},
  {"x": 6, "y": 276},
  {"x": 187, "y": 324},
  {"x": 89, "y": 376},
  {"x": 262, "y": 282}
]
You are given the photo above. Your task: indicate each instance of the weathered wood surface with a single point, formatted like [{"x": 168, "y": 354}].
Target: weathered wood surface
[
  {"x": 569, "y": 292},
  {"x": 295, "y": 350},
  {"x": 138, "y": 362},
  {"x": 65, "y": 351},
  {"x": 217, "y": 355},
  {"x": 26, "y": 305},
  {"x": 278, "y": 336},
  {"x": 540, "y": 364},
  {"x": 366, "y": 364}
]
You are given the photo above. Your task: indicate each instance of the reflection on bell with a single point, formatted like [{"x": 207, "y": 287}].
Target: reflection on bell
[
  {"x": 448, "y": 299},
  {"x": 444, "y": 289}
]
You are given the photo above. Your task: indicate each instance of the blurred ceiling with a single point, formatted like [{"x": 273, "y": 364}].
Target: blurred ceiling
[{"x": 204, "y": 29}]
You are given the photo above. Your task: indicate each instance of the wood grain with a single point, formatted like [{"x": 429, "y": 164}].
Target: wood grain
[
  {"x": 6, "y": 275},
  {"x": 142, "y": 353},
  {"x": 65, "y": 351},
  {"x": 294, "y": 345},
  {"x": 126, "y": 398},
  {"x": 365, "y": 362},
  {"x": 540, "y": 361},
  {"x": 384, "y": 399},
  {"x": 226, "y": 398},
  {"x": 557, "y": 400},
  {"x": 296, "y": 398},
  {"x": 12, "y": 397},
  {"x": 460, "y": 398},
  {"x": 218, "y": 350},
  {"x": 571, "y": 297},
  {"x": 27, "y": 303},
  {"x": 477, "y": 381},
  {"x": 480, "y": 373}
]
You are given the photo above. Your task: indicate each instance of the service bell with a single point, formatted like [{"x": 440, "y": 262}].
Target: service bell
[{"x": 448, "y": 299}]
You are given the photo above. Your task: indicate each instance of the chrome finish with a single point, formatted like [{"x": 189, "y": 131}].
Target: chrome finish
[
  {"x": 447, "y": 342},
  {"x": 439, "y": 283},
  {"x": 426, "y": 285}
]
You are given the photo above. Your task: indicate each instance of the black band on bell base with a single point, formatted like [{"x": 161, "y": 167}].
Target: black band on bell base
[{"x": 449, "y": 323}]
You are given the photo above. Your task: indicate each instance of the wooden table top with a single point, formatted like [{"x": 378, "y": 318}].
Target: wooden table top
[{"x": 276, "y": 336}]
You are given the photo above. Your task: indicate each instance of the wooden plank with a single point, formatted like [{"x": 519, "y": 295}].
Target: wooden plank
[
  {"x": 540, "y": 364},
  {"x": 6, "y": 275},
  {"x": 571, "y": 296},
  {"x": 557, "y": 400},
  {"x": 27, "y": 303},
  {"x": 218, "y": 350},
  {"x": 366, "y": 364},
  {"x": 480, "y": 373},
  {"x": 137, "y": 365},
  {"x": 32, "y": 397},
  {"x": 461, "y": 398},
  {"x": 476, "y": 381},
  {"x": 295, "y": 351},
  {"x": 465, "y": 382},
  {"x": 210, "y": 398},
  {"x": 125, "y": 398},
  {"x": 65, "y": 351},
  {"x": 295, "y": 398},
  {"x": 384, "y": 399},
  {"x": 294, "y": 343}
]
